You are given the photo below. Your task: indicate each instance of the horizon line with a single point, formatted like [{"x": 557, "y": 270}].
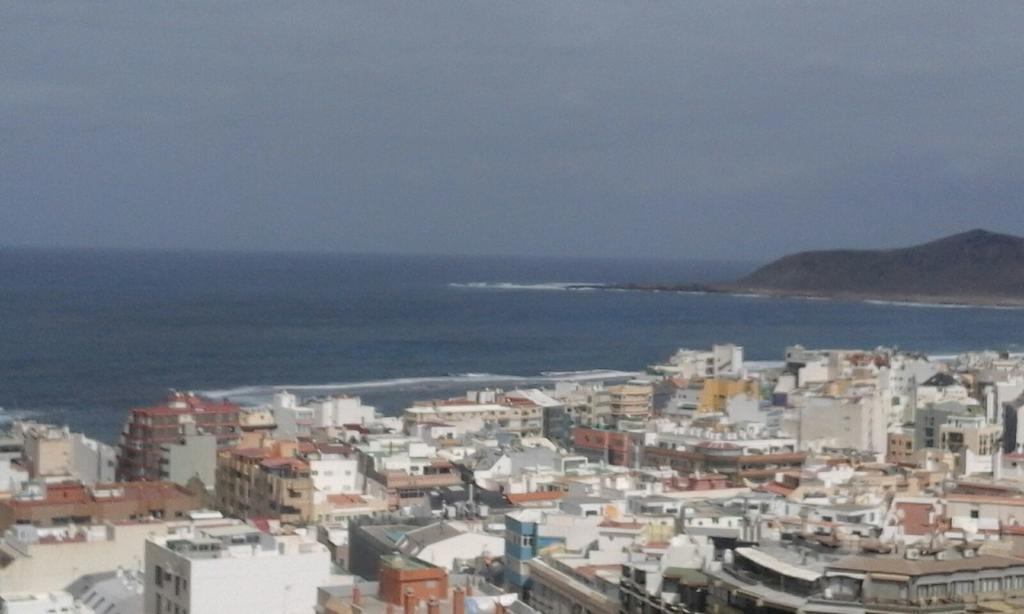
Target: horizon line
[{"x": 328, "y": 252}]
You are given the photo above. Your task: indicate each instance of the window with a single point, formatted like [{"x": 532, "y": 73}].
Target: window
[
  {"x": 159, "y": 576},
  {"x": 974, "y": 513}
]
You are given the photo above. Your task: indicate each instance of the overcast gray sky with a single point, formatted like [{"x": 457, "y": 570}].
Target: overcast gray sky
[{"x": 675, "y": 129}]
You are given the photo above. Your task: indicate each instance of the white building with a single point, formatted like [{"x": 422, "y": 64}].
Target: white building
[
  {"x": 334, "y": 473},
  {"x": 900, "y": 380},
  {"x": 42, "y": 603},
  {"x": 13, "y": 473},
  {"x": 234, "y": 570},
  {"x": 193, "y": 455},
  {"x": 450, "y": 545},
  {"x": 721, "y": 361},
  {"x": 54, "y": 453},
  {"x": 115, "y": 592},
  {"x": 855, "y": 421},
  {"x": 49, "y": 559},
  {"x": 745, "y": 408},
  {"x": 337, "y": 411},
  {"x": 293, "y": 418},
  {"x": 940, "y": 388},
  {"x": 480, "y": 410}
]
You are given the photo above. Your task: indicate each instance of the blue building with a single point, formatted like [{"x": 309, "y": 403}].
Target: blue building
[{"x": 525, "y": 536}]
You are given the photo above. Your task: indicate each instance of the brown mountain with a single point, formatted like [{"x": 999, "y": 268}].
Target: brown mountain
[{"x": 974, "y": 266}]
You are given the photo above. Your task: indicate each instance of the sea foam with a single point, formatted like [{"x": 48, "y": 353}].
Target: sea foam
[
  {"x": 259, "y": 392},
  {"x": 504, "y": 285}
]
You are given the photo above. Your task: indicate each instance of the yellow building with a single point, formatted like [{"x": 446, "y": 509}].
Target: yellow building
[
  {"x": 630, "y": 400},
  {"x": 283, "y": 490},
  {"x": 717, "y": 390},
  {"x": 264, "y": 482}
]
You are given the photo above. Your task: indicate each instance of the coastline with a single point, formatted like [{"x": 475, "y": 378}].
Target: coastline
[{"x": 909, "y": 300}]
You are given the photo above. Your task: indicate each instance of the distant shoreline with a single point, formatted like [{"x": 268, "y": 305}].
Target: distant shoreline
[{"x": 910, "y": 300}]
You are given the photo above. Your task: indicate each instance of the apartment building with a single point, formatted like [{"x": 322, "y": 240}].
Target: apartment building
[
  {"x": 528, "y": 532},
  {"x": 481, "y": 410},
  {"x": 260, "y": 482},
  {"x": 234, "y": 569},
  {"x": 41, "y": 560},
  {"x": 47, "y": 505},
  {"x": 632, "y": 400},
  {"x": 757, "y": 460},
  {"x": 899, "y": 446},
  {"x": 715, "y": 392},
  {"x": 192, "y": 456},
  {"x": 294, "y": 418},
  {"x": 141, "y": 453},
  {"x": 972, "y": 433},
  {"x": 410, "y": 586},
  {"x": 283, "y": 489},
  {"x": 672, "y": 584},
  {"x": 402, "y": 470},
  {"x": 953, "y": 583},
  {"x": 615, "y": 447},
  {"x": 560, "y": 588},
  {"x": 725, "y": 360},
  {"x": 53, "y": 453}
]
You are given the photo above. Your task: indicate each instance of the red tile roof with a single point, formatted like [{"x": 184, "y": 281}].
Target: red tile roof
[
  {"x": 528, "y": 497},
  {"x": 75, "y": 493},
  {"x": 775, "y": 488},
  {"x": 915, "y": 517},
  {"x": 293, "y": 462},
  {"x": 251, "y": 452},
  {"x": 1016, "y": 501},
  {"x": 180, "y": 403},
  {"x": 613, "y": 524},
  {"x": 345, "y": 500}
]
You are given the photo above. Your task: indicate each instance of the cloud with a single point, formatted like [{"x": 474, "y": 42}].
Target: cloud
[{"x": 720, "y": 130}]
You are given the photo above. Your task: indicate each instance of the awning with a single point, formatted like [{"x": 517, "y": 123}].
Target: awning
[{"x": 771, "y": 563}]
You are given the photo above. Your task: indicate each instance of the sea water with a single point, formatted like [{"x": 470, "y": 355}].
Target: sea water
[{"x": 87, "y": 334}]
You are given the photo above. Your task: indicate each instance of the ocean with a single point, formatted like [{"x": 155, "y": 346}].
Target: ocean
[{"x": 87, "y": 334}]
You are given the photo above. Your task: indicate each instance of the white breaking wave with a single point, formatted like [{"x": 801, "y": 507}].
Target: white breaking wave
[
  {"x": 954, "y": 357},
  {"x": 762, "y": 365},
  {"x": 258, "y": 393},
  {"x": 503, "y": 285},
  {"x": 937, "y": 305}
]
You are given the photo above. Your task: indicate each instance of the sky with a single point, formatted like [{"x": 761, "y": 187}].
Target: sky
[{"x": 690, "y": 130}]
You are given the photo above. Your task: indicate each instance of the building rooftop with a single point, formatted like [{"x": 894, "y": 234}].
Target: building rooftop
[
  {"x": 182, "y": 403},
  {"x": 75, "y": 493},
  {"x": 402, "y": 561},
  {"x": 921, "y": 567}
]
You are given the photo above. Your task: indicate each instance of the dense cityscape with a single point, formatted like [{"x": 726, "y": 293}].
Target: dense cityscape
[
  {"x": 511, "y": 307},
  {"x": 830, "y": 481}
]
